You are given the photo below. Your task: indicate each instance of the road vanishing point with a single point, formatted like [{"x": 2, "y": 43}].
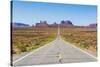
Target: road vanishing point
[{"x": 55, "y": 52}]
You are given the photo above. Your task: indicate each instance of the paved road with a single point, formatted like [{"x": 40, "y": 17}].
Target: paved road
[{"x": 55, "y": 52}]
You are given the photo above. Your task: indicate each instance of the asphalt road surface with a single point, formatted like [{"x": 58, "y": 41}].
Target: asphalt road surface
[{"x": 57, "y": 51}]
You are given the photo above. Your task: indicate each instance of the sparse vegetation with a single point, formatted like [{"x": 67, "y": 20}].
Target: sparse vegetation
[
  {"x": 27, "y": 39},
  {"x": 85, "y": 38}
]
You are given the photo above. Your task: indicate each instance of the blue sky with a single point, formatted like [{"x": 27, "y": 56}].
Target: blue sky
[{"x": 33, "y": 12}]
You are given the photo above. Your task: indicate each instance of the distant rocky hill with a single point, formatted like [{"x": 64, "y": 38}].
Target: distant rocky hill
[
  {"x": 19, "y": 25},
  {"x": 44, "y": 24},
  {"x": 54, "y": 25},
  {"x": 63, "y": 23},
  {"x": 93, "y": 25},
  {"x": 66, "y": 23}
]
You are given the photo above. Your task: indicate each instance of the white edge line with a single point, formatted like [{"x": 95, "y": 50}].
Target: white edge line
[
  {"x": 80, "y": 49},
  {"x": 48, "y": 44},
  {"x": 32, "y": 52}
]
